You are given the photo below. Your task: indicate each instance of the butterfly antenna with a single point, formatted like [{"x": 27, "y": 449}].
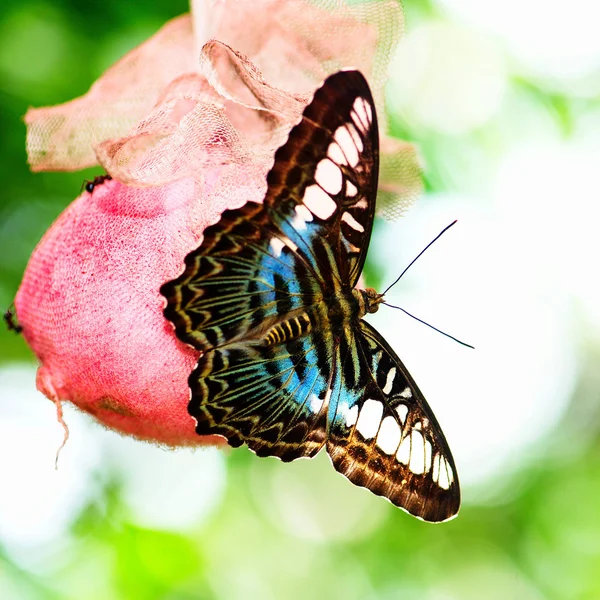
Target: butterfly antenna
[
  {"x": 414, "y": 260},
  {"x": 428, "y": 325}
]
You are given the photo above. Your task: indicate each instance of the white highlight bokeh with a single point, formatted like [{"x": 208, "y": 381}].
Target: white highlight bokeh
[
  {"x": 556, "y": 41},
  {"x": 446, "y": 78},
  {"x": 168, "y": 489},
  {"x": 311, "y": 501},
  {"x": 38, "y": 504},
  {"x": 552, "y": 188}
]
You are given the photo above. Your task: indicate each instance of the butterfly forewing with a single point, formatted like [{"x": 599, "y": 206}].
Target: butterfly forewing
[
  {"x": 287, "y": 365},
  {"x": 323, "y": 183}
]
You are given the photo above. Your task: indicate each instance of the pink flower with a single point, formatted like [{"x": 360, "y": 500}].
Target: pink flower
[{"x": 187, "y": 125}]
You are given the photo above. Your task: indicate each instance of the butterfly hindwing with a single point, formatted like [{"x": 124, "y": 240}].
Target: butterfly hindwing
[
  {"x": 383, "y": 435},
  {"x": 269, "y": 397}
]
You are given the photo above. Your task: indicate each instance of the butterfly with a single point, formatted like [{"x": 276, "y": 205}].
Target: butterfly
[{"x": 288, "y": 365}]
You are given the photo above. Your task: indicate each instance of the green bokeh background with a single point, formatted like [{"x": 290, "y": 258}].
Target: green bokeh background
[{"x": 539, "y": 539}]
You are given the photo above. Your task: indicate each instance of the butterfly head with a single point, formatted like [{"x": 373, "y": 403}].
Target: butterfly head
[{"x": 369, "y": 300}]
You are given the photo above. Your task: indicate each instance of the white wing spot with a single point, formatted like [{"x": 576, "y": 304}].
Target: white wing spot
[
  {"x": 356, "y": 137},
  {"x": 364, "y": 114},
  {"x": 428, "y": 451},
  {"x": 348, "y": 218},
  {"x": 351, "y": 189},
  {"x": 358, "y": 122},
  {"x": 369, "y": 418},
  {"x": 316, "y": 404},
  {"x": 329, "y": 176},
  {"x": 406, "y": 392},
  {"x": 402, "y": 411},
  {"x": 389, "y": 382},
  {"x": 334, "y": 152},
  {"x": 346, "y": 142},
  {"x": 303, "y": 216},
  {"x": 351, "y": 415},
  {"x": 277, "y": 246},
  {"x": 403, "y": 454},
  {"x": 417, "y": 455},
  {"x": 435, "y": 475},
  {"x": 445, "y": 478},
  {"x": 320, "y": 203},
  {"x": 389, "y": 435}
]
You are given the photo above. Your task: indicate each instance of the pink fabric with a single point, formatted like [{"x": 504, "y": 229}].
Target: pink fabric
[
  {"x": 91, "y": 310},
  {"x": 183, "y": 140}
]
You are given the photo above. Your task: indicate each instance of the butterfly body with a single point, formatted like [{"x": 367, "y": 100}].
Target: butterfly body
[{"x": 288, "y": 365}]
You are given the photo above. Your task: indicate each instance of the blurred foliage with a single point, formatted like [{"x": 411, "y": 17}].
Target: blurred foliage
[{"x": 539, "y": 538}]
